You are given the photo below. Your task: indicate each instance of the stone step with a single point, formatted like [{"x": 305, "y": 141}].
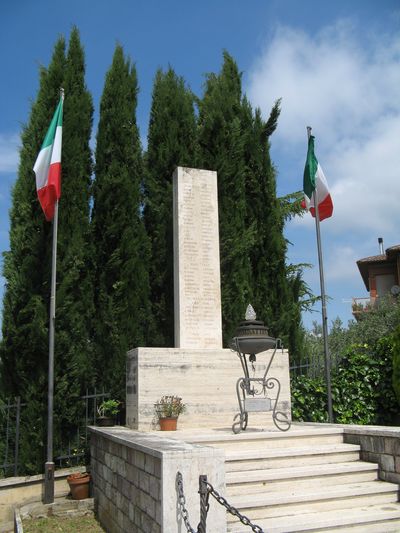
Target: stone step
[
  {"x": 273, "y": 504},
  {"x": 260, "y": 459},
  {"x": 365, "y": 519},
  {"x": 254, "y": 434},
  {"x": 285, "y": 479},
  {"x": 274, "y": 440}
]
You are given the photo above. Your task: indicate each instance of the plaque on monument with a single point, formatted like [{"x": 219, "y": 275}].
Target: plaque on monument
[{"x": 197, "y": 289}]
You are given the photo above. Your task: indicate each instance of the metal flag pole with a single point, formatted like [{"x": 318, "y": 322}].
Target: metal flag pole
[
  {"x": 49, "y": 465},
  {"x": 323, "y": 301}
]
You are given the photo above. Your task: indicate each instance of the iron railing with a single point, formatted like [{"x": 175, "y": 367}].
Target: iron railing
[{"x": 72, "y": 451}]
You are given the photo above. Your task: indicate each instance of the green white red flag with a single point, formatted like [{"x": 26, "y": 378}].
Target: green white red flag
[
  {"x": 48, "y": 165},
  {"x": 315, "y": 185}
]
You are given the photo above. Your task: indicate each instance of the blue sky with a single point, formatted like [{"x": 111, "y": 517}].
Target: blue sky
[{"x": 336, "y": 66}]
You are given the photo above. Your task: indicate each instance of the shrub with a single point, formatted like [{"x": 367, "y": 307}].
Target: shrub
[
  {"x": 309, "y": 399},
  {"x": 362, "y": 391},
  {"x": 396, "y": 363}
]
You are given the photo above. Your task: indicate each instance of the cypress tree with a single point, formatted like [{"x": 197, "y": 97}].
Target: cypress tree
[
  {"x": 121, "y": 247},
  {"x": 24, "y": 348},
  {"x": 74, "y": 298},
  {"x": 222, "y": 148},
  {"x": 267, "y": 255},
  {"x": 277, "y": 288},
  {"x": 171, "y": 143},
  {"x": 28, "y": 265}
]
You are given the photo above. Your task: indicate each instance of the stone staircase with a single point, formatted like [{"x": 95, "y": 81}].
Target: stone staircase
[{"x": 306, "y": 479}]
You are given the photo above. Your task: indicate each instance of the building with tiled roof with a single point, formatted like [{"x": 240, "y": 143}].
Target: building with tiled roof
[{"x": 381, "y": 275}]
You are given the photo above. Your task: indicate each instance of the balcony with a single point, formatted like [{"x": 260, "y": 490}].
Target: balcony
[{"x": 360, "y": 306}]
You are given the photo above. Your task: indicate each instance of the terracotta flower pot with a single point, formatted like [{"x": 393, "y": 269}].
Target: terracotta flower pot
[
  {"x": 168, "y": 424},
  {"x": 79, "y": 485}
]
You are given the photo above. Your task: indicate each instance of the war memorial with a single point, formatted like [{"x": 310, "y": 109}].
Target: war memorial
[{"x": 236, "y": 429}]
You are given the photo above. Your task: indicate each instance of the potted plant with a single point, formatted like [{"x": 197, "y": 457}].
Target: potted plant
[
  {"x": 107, "y": 411},
  {"x": 168, "y": 409},
  {"x": 79, "y": 485}
]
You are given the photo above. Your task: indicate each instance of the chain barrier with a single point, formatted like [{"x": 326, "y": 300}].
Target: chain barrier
[
  {"x": 182, "y": 503},
  {"x": 205, "y": 489}
]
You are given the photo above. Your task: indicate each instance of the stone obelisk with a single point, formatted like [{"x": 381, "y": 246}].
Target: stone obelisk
[{"x": 197, "y": 369}]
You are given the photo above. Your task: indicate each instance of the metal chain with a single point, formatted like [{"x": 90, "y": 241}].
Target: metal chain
[
  {"x": 232, "y": 510},
  {"x": 182, "y": 503},
  {"x": 204, "y": 507}
]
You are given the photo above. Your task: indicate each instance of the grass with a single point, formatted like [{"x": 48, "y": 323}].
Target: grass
[{"x": 73, "y": 524}]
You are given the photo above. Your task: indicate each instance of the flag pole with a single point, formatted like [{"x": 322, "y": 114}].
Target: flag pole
[
  {"x": 323, "y": 301},
  {"x": 49, "y": 466}
]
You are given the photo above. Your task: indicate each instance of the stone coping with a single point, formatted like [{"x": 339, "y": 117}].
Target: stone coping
[
  {"x": 384, "y": 431},
  {"x": 60, "y": 507},
  {"x": 154, "y": 443},
  {"x": 8, "y": 482}
]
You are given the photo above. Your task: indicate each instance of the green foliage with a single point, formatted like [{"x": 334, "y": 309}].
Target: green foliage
[
  {"x": 396, "y": 362},
  {"x": 26, "y": 268},
  {"x": 263, "y": 216},
  {"x": 108, "y": 408},
  {"x": 24, "y": 347},
  {"x": 376, "y": 323},
  {"x": 308, "y": 399},
  {"x": 366, "y": 366},
  {"x": 362, "y": 392},
  {"x": 222, "y": 140},
  {"x": 291, "y": 205},
  {"x": 171, "y": 143},
  {"x": 277, "y": 290},
  {"x": 103, "y": 287},
  {"x": 234, "y": 141},
  {"x": 356, "y": 386},
  {"x": 27, "y": 265},
  {"x": 74, "y": 299},
  {"x": 121, "y": 252}
]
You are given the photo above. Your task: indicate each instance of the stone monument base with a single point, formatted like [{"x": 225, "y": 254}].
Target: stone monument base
[{"x": 206, "y": 382}]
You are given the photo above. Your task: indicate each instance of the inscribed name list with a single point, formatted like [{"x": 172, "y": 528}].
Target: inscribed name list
[{"x": 196, "y": 260}]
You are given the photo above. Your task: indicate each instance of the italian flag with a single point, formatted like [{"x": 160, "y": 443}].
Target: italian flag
[
  {"x": 315, "y": 185},
  {"x": 48, "y": 165}
]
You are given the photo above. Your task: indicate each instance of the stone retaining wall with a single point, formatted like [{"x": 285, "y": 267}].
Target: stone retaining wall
[
  {"x": 378, "y": 445},
  {"x": 134, "y": 480},
  {"x": 17, "y": 491}
]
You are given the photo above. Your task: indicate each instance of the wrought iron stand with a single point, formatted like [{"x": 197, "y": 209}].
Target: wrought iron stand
[{"x": 252, "y": 392}]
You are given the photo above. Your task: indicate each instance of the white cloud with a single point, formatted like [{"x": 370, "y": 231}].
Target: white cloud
[
  {"x": 9, "y": 152},
  {"x": 340, "y": 263},
  {"x": 348, "y": 92}
]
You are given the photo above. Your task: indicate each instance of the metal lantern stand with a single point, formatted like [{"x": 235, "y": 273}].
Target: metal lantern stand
[{"x": 252, "y": 392}]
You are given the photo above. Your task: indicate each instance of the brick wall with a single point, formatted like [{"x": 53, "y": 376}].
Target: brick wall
[{"x": 127, "y": 487}]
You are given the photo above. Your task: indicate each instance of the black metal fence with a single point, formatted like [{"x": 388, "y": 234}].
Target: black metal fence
[
  {"x": 10, "y": 417},
  {"x": 72, "y": 452},
  {"x": 313, "y": 366}
]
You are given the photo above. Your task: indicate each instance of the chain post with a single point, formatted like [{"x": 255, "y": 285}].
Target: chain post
[
  {"x": 204, "y": 505},
  {"x": 205, "y": 489},
  {"x": 232, "y": 510}
]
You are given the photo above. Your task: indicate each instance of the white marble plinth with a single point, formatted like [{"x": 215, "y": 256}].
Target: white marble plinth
[
  {"x": 206, "y": 381},
  {"x": 197, "y": 293}
]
